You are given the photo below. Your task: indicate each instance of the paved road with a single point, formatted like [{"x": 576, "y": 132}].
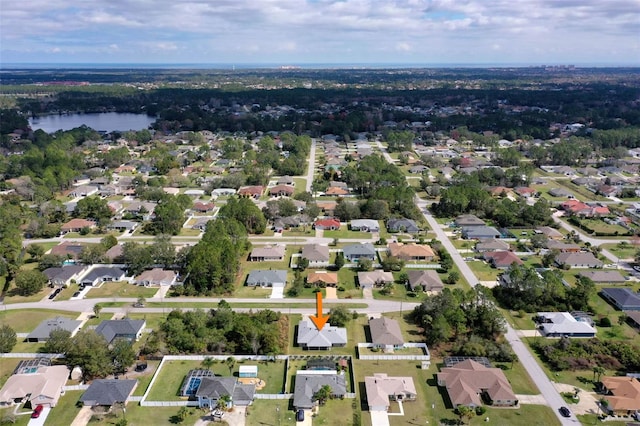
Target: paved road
[
  {"x": 312, "y": 165},
  {"x": 590, "y": 240}
]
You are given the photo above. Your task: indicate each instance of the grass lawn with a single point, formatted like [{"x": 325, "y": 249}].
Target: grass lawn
[
  {"x": 623, "y": 252},
  {"x": 24, "y": 321},
  {"x": 520, "y": 380},
  {"x": 26, "y": 347},
  {"x": 145, "y": 378},
  {"x": 483, "y": 270},
  {"x": 271, "y": 372},
  {"x": 143, "y": 416},
  {"x": 20, "y": 420},
  {"x": 591, "y": 419},
  {"x": 66, "y": 410},
  {"x": 518, "y": 322},
  {"x": 599, "y": 225},
  {"x": 95, "y": 320},
  {"x": 255, "y": 292},
  {"x": 347, "y": 279},
  {"x": 12, "y": 295},
  {"x": 167, "y": 385},
  {"x": 336, "y": 412},
  {"x": 6, "y": 369},
  {"x": 265, "y": 412},
  {"x": 301, "y": 231},
  {"x": 120, "y": 289},
  {"x": 189, "y": 232},
  {"x": 582, "y": 193},
  {"x": 300, "y": 184},
  {"x": 344, "y": 232}
]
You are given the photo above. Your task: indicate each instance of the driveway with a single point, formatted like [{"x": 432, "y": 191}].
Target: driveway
[
  {"x": 379, "y": 418},
  {"x": 277, "y": 292},
  {"x": 331, "y": 293},
  {"x": 308, "y": 419},
  {"x": 40, "y": 420},
  {"x": 588, "y": 403},
  {"x": 83, "y": 416}
]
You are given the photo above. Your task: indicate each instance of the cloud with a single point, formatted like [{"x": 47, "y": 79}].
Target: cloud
[{"x": 320, "y": 30}]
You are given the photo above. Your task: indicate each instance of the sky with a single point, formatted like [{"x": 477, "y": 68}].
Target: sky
[{"x": 299, "y": 32}]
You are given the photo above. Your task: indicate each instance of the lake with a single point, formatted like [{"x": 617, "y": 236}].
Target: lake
[{"x": 103, "y": 121}]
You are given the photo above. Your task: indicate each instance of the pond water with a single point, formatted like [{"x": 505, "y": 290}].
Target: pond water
[{"x": 103, "y": 121}]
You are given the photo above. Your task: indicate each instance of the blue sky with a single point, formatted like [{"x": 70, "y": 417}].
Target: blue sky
[{"x": 298, "y": 32}]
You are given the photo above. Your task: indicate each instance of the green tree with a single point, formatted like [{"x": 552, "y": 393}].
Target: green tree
[
  {"x": 30, "y": 282},
  {"x": 339, "y": 316},
  {"x": 322, "y": 394},
  {"x": 163, "y": 251},
  {"x": 168, "y": 217},
  {"x": 109, "y": 241},
  {"x": 339, "y": 262},
  {"x": 91, "y": 254},
  {"x": 59, "y": 342},
  {"x": 94, "y": 208},
  {"x": 36, "y": 251},
  {"x": 90, "y": 352},
  {"x": 246, "y": 212},
  {"x": 123, "y": 355},
  {"x": 365, "y": 264},
  {"x": 231, "y": 363},
  {"x": 136, "y": 257},
  {"x": 182, "y": 415},
  {"x": 8, "y": 338},
  {"x": 303, "y": 263},
  {"x": 97, "y": 308}
]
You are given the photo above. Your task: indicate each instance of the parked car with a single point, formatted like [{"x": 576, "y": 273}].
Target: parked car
[
  {"x": 76, "y": 294},
  {"x": 37, "y": 411},
  {"x": 565, "y": 412},
  {"x": 300, "y": 416}
]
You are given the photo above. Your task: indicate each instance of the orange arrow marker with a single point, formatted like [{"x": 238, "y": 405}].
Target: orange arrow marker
[{"x": 319, "y": 320}]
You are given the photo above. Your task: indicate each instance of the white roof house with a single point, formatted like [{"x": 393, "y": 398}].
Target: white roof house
[{"x": 559, "y": 324}]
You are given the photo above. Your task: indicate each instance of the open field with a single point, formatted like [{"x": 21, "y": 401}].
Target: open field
[{"x": 120, "y": 289}]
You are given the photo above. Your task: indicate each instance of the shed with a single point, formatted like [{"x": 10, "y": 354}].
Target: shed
[{"x": 248, "y": 371}]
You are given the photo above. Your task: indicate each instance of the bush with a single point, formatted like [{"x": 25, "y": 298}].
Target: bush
[
  {"x": 341, "y": 288},
  {"x": 605, "y": 322},
  {"x": 480, "y": 410}
]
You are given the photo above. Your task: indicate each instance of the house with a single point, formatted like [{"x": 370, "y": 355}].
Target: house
[
  {"x": 375, "y": 278},
  {"x": 491, "y": 245},
  {"x": 126, "y": 329},
  {"x": 156, "y": 277},
  {"x": 285, "y": 180},
  {"x": 525, "y": 191},
  {"x": 427, "y": 279},
  {"x": 622, "y": 298},
  {"x": 76, "y": 225},
  {"x": 355, "y": 252},
  {"x": 562, "y": 247},
  {"x": 267, "y": 278},
  {"x": 327, "y": 207},
  {"x": 268, "y": 253},
  {"x": 115, "y": 254},
  {"x": 108, "y": 392},
  {"x": 251, "y": 191},
  {"x": 316, "y": 254},
  {"x": 411, "y": 252},
  {"x": 386, "y": 334},
  {"x": 633, "y": 318},
  {"x": 408, "y": 226},
  {"x": 479, "y": 232},
  {"x": 468, "y": 381},
  {"x": 201, "y": 223},
  {"x": 309, "y": 382},
  {"x": 365, "y": 225},
  {"x": 560, "y": 193},
  {"x": 549, "y": 232},
  {"x": 327, "y": 224},
  {"x": 604, "y": 277},
  {"x": 123, "y": 225},
  {"x": 309, "y": 337},
  {"x": 203, "y": 207},
  {"x": 281, "y": 191},
  {"x": 578, "y": 260},
  {"x": 211, "y": 389},
  {"x": 67, "y": 249},
  {"x": 62, "y": 276},
  {"x": 502, "y": 259},
  {"x": 563, "y": 324},
  {"x": 336, "y": 191},
  {"x": 221, "y": 192},
  {"x": 37, "y": 385},
  {"x": 43, "y": 330},
  {"x": 381, "y": 389},
  {"x": 468, "y": 220},
  {"x": 100, "y": 274},
  {"x": 622, "y": 395},
  {"x": 323, "y": 279}
]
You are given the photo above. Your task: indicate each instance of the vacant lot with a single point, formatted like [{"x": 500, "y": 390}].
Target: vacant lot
[{"x": 121, "y": 289}]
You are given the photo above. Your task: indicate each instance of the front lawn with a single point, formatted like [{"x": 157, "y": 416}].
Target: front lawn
[
  {"x": 66, "y": 410},
  {"x": 120, "y": 289},
  {"x": 483, "y": 270}
]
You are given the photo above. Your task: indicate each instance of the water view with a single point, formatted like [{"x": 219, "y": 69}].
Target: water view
[{"x": 104, "y": 121}]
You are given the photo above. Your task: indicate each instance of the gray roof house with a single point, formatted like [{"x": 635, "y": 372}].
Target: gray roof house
[
  {"x": 211, "y": 389},
  {"x": 604, "y": 277},
  {"x": 267, "y": 278},
  {"x": 267, "y": 253},
  {"x": 61, "y": 277},
  {"x": 108, "y": 392},
  {"x": 128, "y": 329},
  {"x": 622, "y": 298},
  {"x": 308, "y": 383},
  {"x": 42, "y": 331},
  {"x": 100, "y": 274},
  {"x": 370, "y": 279},
  {"x": 316, "y": 254},
  {"x": 428, "y": 279},
  {"x": 492, "y": 245},
  {"x": 359, "y": 251},
  {"x": 481, "y": 232},
  {"x": 385, "y": 333},
  {"x": 403, "y": 225},
  {"x": 578, "y": 260},
  {"x": 469, "y": 220},
  {"x": 365, "y": 225},
  {"x": 309, "y": 337},
  {"x": 560, "y": 192}
]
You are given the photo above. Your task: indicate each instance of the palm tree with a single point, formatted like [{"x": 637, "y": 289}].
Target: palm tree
[
  {"x": 231, "y": 362},
  {"x": 597, "y": 373},
  {"x": 223, "y": 402},
  {"x": 207, "y": 362}
]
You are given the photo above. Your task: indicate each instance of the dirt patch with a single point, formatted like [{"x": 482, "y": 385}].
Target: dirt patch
[{"x": 260, "y": 384}]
